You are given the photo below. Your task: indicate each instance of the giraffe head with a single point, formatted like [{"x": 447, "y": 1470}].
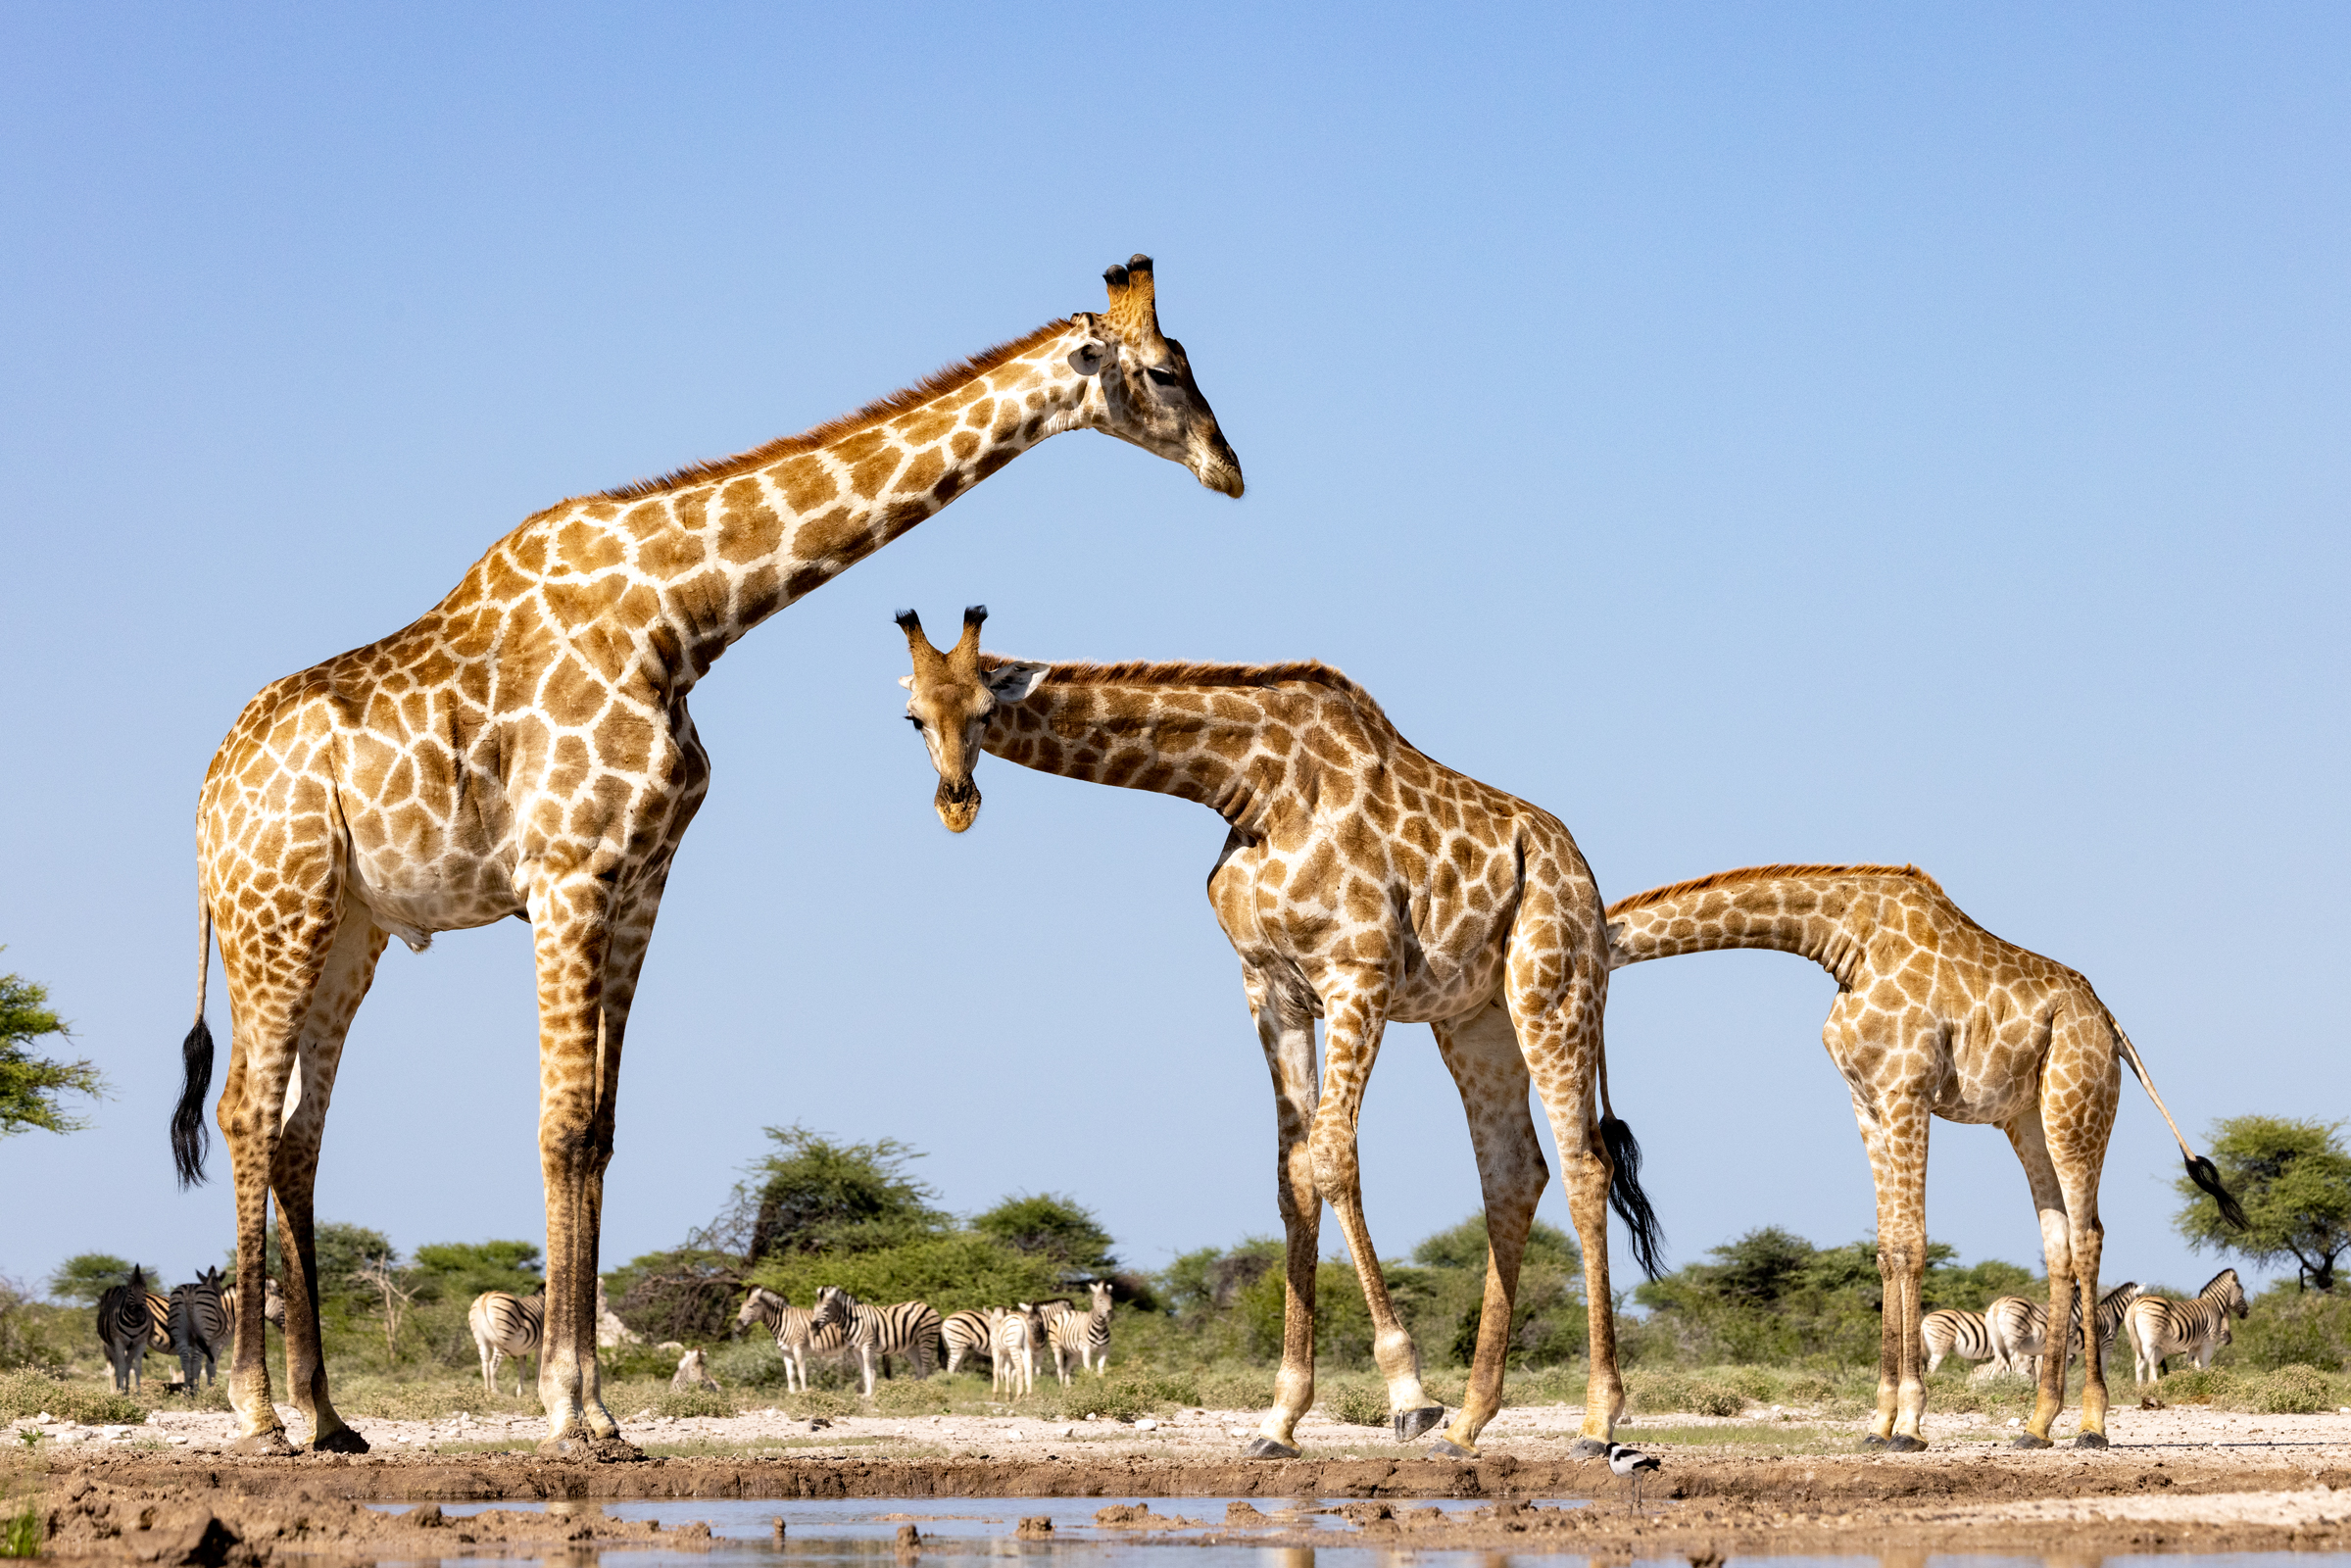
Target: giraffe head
[
  {"x": 1148, "y": 394},
  {"x": 950, "y": 697}
]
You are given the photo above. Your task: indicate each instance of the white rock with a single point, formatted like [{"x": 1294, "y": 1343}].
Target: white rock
[
  {"x": 1067, "y": 1432},
  {"x": 1147, "y": 1424}
]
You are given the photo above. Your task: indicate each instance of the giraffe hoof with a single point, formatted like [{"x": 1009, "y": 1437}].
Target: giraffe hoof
[
  {"x": 2090, "y": 1440},
  {"x": 272, "y": 1444},
  {"x": 2029, "y": 1440},
  {"x": 1268, "y": 1448},
  {"x": 1410, "y": 1424},
  {"x": 1448, "y": 1448},
  {"x": 342, "y": 1439},
  {"x": 1587, "y": 1448},
  {"x": 1903, "y": 1443}
]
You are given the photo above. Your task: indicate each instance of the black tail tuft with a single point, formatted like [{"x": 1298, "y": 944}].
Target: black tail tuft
[
  {"x": 189, "y": 1139},
  {"x": 2202, "y": 1172},
  {"x": 1624, "y": 1196}
]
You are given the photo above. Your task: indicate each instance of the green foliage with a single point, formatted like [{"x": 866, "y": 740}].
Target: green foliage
[
  {"x": 2289, "y": 1324},
  {"x": 683, "y": 1402},
  {"x": 1050, "y": 1226},
  {"x": 2292, "y": 1390},
  {"x": 33, "y": 1332},
  {"x": 27, "y": 1393},
  {"x": 816, "y": 1196},
  {"x": 1355, "y": 1401},
  {"x": 30, "y": 1085},
  {"x": 85, "y": 1277},
  {"x": 1464, "y": 1247},
  {"x": 460, "y": 1271},
  {"x": 2294, "y": 1181},
  {"x": 1771, "y": 1296},
  {"x": 1127, "y": 1393},
  {"x": 21, "y": 1530},
  {"x": 952, "y": 1271}
]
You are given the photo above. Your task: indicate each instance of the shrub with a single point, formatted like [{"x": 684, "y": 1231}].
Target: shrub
[
  {"x": 1713, "y": 1399},
  {"x": 1354, "y": 1401},
  {"x": 2290, "y": 1326},
  {"x": 1236, "y": 1390},
  {"x": 914, "y": 1396},
  {"x": 820, "y": 1401},
  {"x": 2200, "y": 1385},
  {"x": 694, "y": 1402},
  {"x": 27, "y": 1393},
  {"x": 2292, "y": 1390},
  {"x": 1122, "y": 1396}
]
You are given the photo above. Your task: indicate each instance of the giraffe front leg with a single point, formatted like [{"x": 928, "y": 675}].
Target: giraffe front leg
[
  {"x": 1286, "y": 1031},
  {"x": 1902, "y": 1131},
  {"x": 1351, "y": 1048},
  {"x": 1481, "y": 1053}
]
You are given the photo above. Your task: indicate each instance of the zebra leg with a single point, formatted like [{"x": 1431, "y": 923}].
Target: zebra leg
[
  {"x": 2029, "y": 1139},
  {"x": 1286, "y": 1031},
  {"x": 1483, "y": 1056}
]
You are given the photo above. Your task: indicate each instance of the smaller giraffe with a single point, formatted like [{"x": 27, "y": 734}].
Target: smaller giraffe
[
  {"x": 1360, "y": 883},
  {"x": 1936, "y": 1016}
]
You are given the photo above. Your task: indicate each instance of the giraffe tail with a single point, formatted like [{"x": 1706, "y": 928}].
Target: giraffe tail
[
  {"x": 2200, "y": 1170},
  {"x": 189, "y": 1139},
  {"x": 1625, "y": 1194}
]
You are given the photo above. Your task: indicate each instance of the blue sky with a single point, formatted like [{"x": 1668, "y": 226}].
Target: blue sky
[{"x": 1826, "y": 432}]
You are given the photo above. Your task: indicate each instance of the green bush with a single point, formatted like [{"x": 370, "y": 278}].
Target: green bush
[
  {"x": 694, "y": 1402},
  {"x": 820, "y": 1402},
  {"x": 2200, "y": 1385},
  {"x": 2294, "y": 1391},
  {"x": 2289, "y": 1326},
  {"x": 1355, "y": 1401},
  {"x": 21, "y": 1529},
  {"x": 1124, "y": 1395},
  {"x": 1236, "y": 1389},
  {"x": 933, "y": 1395},
  {"x": 25, "y": 1392}
]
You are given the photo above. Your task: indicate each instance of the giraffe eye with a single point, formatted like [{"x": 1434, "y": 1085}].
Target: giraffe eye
[
  {"x": 911, "y": 719},
  {"x": 1160, "y": 377}
]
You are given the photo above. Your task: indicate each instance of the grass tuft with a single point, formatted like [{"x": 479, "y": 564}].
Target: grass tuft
[
  {"x": 21, "y": 1530},
  {"x": 26, "y": 1393}
]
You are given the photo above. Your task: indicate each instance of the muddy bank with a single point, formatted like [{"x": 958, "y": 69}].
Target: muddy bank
[{"x": 172, "y": 1508}]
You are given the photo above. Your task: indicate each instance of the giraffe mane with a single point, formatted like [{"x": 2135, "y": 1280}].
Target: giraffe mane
[
  {"x": 1763, "y": 873},
  {"x": 1207, "y": 673},
  {"x": 939, "y": 381}
]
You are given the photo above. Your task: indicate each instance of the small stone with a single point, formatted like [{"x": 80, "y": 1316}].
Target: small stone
[
  {"x": 1035, "y": 1526},
  {"x": 1147, "y": 1424},
  {"x": 908, "y": 1538},
  {"x": 1066, "y": 1432}
]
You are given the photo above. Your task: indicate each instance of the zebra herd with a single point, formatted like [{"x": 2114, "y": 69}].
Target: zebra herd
[
  {"x": 196, "y": 1322},
  {"x": 2008, "y": 1335},
  {"x": 840, "y": 1325}
]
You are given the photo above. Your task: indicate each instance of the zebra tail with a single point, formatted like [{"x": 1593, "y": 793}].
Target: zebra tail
[
  {"x": 189, "y": 1137},
  {"x": 2200, "y": 1170}
]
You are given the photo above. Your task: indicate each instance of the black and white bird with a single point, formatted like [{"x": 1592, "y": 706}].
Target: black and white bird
[{"x": 1630, "y": 1464}]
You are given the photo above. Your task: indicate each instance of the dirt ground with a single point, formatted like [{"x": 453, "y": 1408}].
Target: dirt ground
[{"x": 2175, "y": 1481}]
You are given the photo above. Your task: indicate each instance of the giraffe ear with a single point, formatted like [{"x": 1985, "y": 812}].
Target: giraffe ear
[
  {"x": 1088, "y": 358},
  {"x": 1013, "y": 681},
  {"x": 908, "y": 682}
]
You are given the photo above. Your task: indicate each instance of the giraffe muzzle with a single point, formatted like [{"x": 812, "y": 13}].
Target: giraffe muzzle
[{"x": 958, "y": 803}]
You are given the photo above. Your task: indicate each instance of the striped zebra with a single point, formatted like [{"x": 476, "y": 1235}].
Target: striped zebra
[
  {"x": 504, "y": 1324},
  {"x": 126, "y": 1328},
  {"x": 796, "y": 1333},
  {"x": 2019, "y": 1328},
  {"x": 273, "y": 1305},
  {"x": 910, "y": 1329},
  {"x": 1085, "y": 1335},
  {"x": 1955, "y": 1331},
  {"x": 1012, "y": 1339},
  {"x": 2161, "y": 1328},
  {"x": 963, "y": 1334},
  {"x": 200, "y": 1327}
]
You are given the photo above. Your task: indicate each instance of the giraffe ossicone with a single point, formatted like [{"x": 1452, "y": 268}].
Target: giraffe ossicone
[
  {"x": 1361, "y": 883},
  {"x": 1936, "y": 1016},
  {"x": 526, "y": 749}
]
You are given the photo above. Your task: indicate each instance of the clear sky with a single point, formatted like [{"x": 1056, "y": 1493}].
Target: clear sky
[{"x": 1754, "y": 433}]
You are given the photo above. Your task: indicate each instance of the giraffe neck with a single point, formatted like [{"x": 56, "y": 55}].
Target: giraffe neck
[
  {"x": 1820, "y": 916},
  {"x": 1226, "y": 747},
  {"x": 723, "y": 548}
]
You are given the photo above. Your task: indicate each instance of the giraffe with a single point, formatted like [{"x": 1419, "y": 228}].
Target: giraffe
[
  {"x": 525, "y": 749},
  {"x": 1360, "y": 882},
  {"x": 1936, "y": 1016}
]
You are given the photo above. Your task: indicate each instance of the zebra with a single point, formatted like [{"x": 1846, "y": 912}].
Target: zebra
[
  {"x": 910, "y": 1329},
  {"x": 2162, "y": 1328},
  {"x": 126, "y": 1328},
  {"x": 1955, "y": 1331},
  {"x": 273, "y": 1305},
  {"x": 1013, "y": 1337},
  {"x": 963, "y": 1334},
  {"x": 796, "y": 1333},
  {"x": 504, "y": 1324},
  {"x": 201, "y": 1326},
  {"x": 2019, "y": 1328},
  {"x": 1085, "y": 1335}
]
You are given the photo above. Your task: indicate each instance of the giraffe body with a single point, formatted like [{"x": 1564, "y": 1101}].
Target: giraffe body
[
  {"x": 526, "y": 749},
  {"x": 1360, "y": 883},
  {"x": 1935, "y": 1016}
]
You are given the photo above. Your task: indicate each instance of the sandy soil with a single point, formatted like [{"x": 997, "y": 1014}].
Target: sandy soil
[{"x": 2176, "y": 1479}]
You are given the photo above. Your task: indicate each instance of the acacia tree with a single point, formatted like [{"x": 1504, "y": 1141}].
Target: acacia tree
[
  {"x": 2294, "y": 1181},
  {"x": 30, "y": 1085}
]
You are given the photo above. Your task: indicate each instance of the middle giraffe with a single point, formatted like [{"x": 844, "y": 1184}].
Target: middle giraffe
[{"x": 1360, "y": 882}]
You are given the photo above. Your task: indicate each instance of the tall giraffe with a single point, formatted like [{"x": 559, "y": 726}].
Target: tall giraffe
[
  {"x": 525, "y": 749},
  {"x": 1361, "y": 883},
  {"x": 1936, "y": 1016}
]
